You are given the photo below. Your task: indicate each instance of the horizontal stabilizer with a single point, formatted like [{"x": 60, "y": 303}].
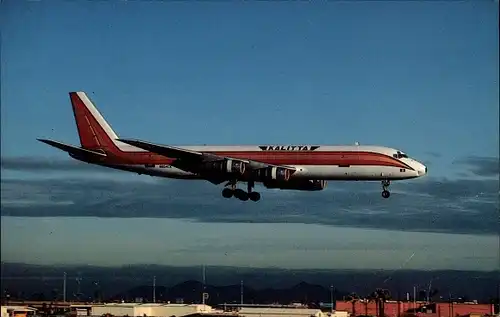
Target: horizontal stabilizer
[
  {"x": 165, "y": 150},
  {"x": 71, "y": 149}
]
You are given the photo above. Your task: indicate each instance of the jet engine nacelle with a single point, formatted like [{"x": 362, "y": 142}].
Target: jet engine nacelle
[
  {"x": 273, "y": 174},
  {"x": 226, "y": 166},
  {"x": 297, "y": 184}
]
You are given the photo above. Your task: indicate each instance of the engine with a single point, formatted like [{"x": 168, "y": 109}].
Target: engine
[
  {"x": 226, "y": 166},
  {"x": 297, "y": 184},
  {"x": 273, "y": 174}
]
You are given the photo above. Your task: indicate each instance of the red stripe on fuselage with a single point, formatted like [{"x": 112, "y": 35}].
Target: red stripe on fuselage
[{"x": 275, "y": 158}]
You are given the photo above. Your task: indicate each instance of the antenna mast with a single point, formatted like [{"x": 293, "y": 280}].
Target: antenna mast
[
  {"x": 64, "y": 286},
  {"x": 203, "y": 294},
  {"x": 241, "y": 292},
  {"x": 154, "y": 289}
]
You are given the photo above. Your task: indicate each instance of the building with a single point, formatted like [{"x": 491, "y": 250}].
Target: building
[
  {"x": 289, "y": 312},
  {"x": 401, "y": 309},
  {"x": 279, "y": 312},
  {"x": 133, "y": 309},
  {"x": 18, "y": 311}
]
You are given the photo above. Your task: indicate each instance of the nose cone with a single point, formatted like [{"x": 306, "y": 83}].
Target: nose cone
[
  {"x": 418, "y": 168},
  {"x": 421, "y": 169}
]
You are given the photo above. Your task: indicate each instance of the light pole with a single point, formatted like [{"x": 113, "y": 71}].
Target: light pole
[
  {"x": 241, "y": 293},
  {"x": 64, "y": 287},
  {"x": 154, "y": 289},
  {"x": 331, "y": 299}
]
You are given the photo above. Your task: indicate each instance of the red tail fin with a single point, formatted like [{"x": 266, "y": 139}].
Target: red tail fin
[{"x": 94, "y": 132}]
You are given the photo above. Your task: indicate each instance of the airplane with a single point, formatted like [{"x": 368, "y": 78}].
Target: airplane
[{"x": 284, "y": 167}]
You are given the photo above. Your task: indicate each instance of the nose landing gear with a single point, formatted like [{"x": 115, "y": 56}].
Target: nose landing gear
[{"x": 385, "y": 185}]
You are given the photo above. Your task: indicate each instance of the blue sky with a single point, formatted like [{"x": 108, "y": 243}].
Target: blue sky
[{"x": 418, "y": 76}]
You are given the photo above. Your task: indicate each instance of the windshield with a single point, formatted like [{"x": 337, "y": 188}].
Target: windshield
[{"x": 400, "y": 154}]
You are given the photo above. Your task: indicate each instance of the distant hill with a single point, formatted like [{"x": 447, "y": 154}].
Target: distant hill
[
  {"x": 190, "y": 292},
  {"x": 223, "y": 283}
]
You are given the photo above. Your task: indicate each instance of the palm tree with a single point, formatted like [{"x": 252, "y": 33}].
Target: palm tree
[
  {"x": 380, "y": 296},
  {"x": 353, "y": 298},
  {"x": 372, "y": 298}
]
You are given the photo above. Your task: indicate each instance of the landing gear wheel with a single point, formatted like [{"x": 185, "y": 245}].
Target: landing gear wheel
[
  {"x": 254, "y": 196},
  {"x": 227, "y": 193},
  {"x": 385, "y": 186},
  {"x": 241, "y": 194}
]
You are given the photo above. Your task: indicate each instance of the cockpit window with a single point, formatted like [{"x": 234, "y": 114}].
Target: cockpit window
[{"x": 399, "y": 155}]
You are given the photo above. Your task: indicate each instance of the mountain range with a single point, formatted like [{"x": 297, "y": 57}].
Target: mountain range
[{"x": 223, "y": 284}]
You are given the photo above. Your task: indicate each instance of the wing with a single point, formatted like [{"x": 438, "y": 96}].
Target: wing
[
  {"x": 165, "y": 150},
  {"x": 192, "y": 156}
]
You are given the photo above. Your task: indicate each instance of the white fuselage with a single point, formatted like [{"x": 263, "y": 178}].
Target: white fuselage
[{"x": 303, "y": 171}]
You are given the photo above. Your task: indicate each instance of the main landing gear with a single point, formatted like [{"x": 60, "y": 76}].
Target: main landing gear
[
  {"x": 240, "y": 193},
  {"x": 385, "y": 185}
]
